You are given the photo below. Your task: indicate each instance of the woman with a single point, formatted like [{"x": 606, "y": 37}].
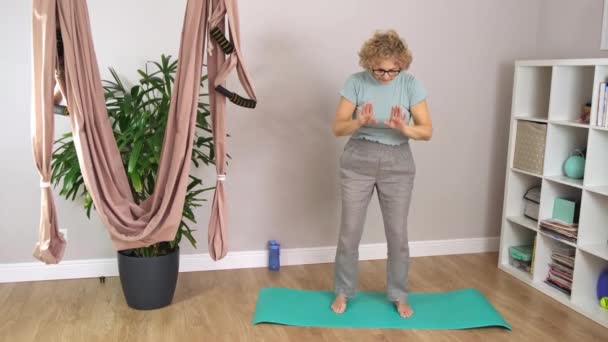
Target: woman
[{"x": 382, "y": 107}]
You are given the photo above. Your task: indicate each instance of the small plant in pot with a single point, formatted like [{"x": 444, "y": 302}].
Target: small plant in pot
[{"x": 139, "y": 117}]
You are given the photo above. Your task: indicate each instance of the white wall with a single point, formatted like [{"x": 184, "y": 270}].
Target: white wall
[
  {"x": 570, "y": 29},
  {"x": 283, "y": 178}
]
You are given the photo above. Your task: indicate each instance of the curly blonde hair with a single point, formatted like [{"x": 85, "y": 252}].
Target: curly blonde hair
[{"x": 383, "y": 45}]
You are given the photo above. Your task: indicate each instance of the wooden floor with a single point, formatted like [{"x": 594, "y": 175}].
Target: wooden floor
[{"x": 219, "y": 305}]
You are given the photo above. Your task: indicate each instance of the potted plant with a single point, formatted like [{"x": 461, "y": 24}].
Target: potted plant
[{"x": 139, "y": 117}]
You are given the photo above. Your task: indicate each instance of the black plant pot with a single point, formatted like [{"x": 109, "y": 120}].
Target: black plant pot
[{"x": 148, "y": 283}]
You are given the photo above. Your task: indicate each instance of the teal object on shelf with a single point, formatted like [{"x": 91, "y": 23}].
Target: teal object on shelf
[
  {"x": 565, "y": 210},
  {"x": 574, "y": 166}
]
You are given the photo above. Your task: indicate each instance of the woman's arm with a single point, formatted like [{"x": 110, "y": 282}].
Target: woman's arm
[
  {"x": 422, "y": 128},
  {"x": 344, "y": 124}
]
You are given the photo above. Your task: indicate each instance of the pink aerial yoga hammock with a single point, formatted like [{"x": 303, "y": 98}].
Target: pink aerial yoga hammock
[{"x": 130, "y": 225}]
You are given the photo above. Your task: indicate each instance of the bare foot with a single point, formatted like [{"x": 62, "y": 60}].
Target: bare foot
[
  {"x": 339, "y": 304},
  {"x": 404, "y": 309}
]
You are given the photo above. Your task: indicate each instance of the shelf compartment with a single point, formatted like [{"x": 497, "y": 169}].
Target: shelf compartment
[
  {"x": 528, "y": 149},
  {"x": 533, "y": 84},
  {"x": 596, "y": 165},
  {"x": 593, "y": 225},
  {"x": 601, "y": 75},
  {"x": 550, "y": 191},
  {"x": 562, "y": 141},
  {"x": 584, "y": 289},
  {"x": 519, "y": 184},
  {"x": 517, "y": 235},
  {"x": 545, "y": 246},
  {"x": 571, "y": 89}
]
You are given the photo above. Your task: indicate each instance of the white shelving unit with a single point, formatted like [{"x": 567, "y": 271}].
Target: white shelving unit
[{"x": 552, "y": 92}]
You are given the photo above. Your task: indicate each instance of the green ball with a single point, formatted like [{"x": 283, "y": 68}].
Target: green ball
[
  {"x": 574, "y": 167},
  {"x": 604, "y": 302}
]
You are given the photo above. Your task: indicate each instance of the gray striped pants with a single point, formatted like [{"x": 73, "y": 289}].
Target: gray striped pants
[{"x": 365, "y": 165}]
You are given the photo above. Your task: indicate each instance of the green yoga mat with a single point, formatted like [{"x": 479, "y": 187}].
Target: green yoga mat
[{"x": 460, "y": 309}]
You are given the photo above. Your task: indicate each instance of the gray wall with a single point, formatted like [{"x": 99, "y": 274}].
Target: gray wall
[
  {"x": 570, "y": 29},
  {"x": 283, "y": 178}
]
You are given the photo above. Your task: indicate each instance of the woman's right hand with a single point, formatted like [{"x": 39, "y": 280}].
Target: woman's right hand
[{"x": 366, "y": 115}]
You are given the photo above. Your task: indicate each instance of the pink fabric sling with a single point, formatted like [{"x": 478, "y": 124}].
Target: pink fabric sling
[{"x": 130, "y": 225}]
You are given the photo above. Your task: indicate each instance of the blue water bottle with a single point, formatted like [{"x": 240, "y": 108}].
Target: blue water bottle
[{"x": 273, "y": 255}]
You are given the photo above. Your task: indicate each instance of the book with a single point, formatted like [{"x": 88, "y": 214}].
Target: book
[
  {"x": 601, "y": 105},
  {"x": 561, "y": 269},
  {"x": 560, "y": 230}
]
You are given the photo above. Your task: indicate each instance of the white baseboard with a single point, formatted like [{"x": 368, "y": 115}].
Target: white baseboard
[{"x": 92, "y": 268}]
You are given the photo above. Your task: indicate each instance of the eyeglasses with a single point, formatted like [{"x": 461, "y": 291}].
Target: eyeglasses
[{"x": 391, "y": 73}]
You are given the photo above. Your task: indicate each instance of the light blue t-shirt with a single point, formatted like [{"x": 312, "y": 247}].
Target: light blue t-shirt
[{"x": 404, "y": 90}]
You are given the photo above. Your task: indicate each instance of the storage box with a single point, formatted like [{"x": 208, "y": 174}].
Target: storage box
[
  {"x": 529, "y": 154},
  {"x": 521, "y": 257},
  {"x": 532, "y": 202},
  {"x": 566, "y": 210}
]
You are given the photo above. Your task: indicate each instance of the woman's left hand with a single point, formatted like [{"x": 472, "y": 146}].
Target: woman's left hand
[{"x": 397, "y": 119}]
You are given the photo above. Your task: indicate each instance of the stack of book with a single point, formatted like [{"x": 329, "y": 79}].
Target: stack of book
[
  {"x": 559, "y": 229},
  {"x": 561, "y": 268}
]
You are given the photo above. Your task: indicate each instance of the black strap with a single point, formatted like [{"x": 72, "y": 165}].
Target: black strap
[
  {"x": 236, "y": 99},
  {"x": 220, "y": 38},
  {"x": 228, "y": 48},
  {"x": 61, "y": 110}
]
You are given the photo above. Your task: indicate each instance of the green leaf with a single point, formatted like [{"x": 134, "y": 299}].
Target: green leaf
[
  {"x": 188, "y": 233},
  {"x": 195, "y": 182},
  {"x": 136, "y": 181},
  {"x": 135, "y": 156},
  {"x": 88, "y": 203},
  {"x": 189, "y": 215}
]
